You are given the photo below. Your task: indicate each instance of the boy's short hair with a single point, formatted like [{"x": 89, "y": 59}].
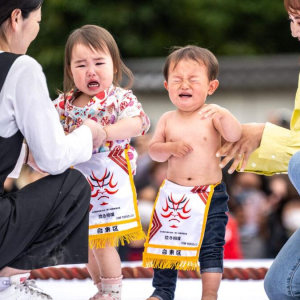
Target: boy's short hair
[{"x": 193, "y": 53}]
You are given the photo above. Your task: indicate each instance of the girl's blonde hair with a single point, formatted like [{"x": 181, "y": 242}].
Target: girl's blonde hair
[{"x": 96, "y": 38}]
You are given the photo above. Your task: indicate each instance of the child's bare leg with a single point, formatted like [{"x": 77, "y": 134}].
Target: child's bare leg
[
  {"x": 94, "y": 271},
  {"x": 93, "y": 267},
  {"x": 109, "y": 262},
  {"x": 210, "y": 285},
  {"x": 111, "y": 273}
]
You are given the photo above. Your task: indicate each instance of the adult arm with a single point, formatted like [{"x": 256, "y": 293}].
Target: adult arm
[
  {"x": 37, "y": 119},
  {"x": 15, "y": 173},
  {"x": 276, "y": 146}
]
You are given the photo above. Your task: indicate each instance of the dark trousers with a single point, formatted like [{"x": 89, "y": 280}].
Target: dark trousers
[
  {"x": 46, "y": 223},
  {"x": 211, "y": 253}
]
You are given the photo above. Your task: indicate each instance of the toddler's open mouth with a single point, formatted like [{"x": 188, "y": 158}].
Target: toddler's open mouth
[
  {"x": 93, "y": 84},
  {"x": 185, "y": 95}
]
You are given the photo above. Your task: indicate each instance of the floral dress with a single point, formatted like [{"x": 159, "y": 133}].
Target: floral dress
[{"x": 107, "y": 107}]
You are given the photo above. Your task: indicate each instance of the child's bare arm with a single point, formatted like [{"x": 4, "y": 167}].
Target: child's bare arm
[
  {"x": 228, "y": 126},
  {"x": 160, "y": 150},
  {"x": 124, "y": 129}
]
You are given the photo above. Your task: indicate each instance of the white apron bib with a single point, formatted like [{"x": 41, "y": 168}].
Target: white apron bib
[{"x": 114, "y": 216}]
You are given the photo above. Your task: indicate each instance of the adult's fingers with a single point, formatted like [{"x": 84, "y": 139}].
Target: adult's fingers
[
  {"x": 225, "y": 149},
  {"x": 232, "y": 153},
  {"x": 235, "y": 163},
  {"x": 245, "y": 160}
]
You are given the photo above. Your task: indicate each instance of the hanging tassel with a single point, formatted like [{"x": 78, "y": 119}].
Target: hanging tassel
[
  {"x": 169, "y": 263},
  {"x": 114, "y": 239}
]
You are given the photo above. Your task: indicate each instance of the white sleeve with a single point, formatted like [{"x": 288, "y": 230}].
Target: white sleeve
[
  {"x": 38, "y": 121},
  {"x": 15, "y": 173}
]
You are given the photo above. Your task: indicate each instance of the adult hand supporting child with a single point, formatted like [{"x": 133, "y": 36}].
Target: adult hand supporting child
[
  {"x": 242, "y": 149},
  {"x": 99, "y": 135}
]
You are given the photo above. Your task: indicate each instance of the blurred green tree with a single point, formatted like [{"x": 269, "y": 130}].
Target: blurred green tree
[{"x": 149, "y": 28}]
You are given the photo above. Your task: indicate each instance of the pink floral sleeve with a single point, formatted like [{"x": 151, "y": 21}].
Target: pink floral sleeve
[{"x": 130, "y": 107}]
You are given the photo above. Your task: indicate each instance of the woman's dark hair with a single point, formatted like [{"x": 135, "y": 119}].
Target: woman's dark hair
[
  {"x": 8, "y": 6},
  {"x": 26, "y": 7}
]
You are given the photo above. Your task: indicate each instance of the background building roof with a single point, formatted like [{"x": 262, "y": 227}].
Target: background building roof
[{"x": 238, "y": 73}]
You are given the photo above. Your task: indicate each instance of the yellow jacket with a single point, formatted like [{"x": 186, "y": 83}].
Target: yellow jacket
[{"x": 277, "y": 146}]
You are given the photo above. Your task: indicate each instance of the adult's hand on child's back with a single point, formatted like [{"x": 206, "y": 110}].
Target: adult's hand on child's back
[
  {"x": 98, "y": 133},
  {"x": 242, "y": 149},
  {"x": 180, "y": 149}
]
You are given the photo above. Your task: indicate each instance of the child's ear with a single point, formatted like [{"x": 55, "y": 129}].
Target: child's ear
[
  {"x": 166, "y": 85},
  {"x": 213, "y": 85}
]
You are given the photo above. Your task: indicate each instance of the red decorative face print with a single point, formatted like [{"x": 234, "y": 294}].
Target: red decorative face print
[
  {"x": 103, "y": 187},
  {"x": 176, "y": 211}
]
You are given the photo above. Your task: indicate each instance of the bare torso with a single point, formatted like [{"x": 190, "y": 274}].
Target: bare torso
[{"x": 200, "y": 166}]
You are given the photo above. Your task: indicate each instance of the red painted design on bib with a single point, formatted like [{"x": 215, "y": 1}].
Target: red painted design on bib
[
  {"x": 176, "y": 211},
  {"x": 202, "y": 191},
  {"x": 156, "y": 225},
  {"x": 102, "y": 187}
]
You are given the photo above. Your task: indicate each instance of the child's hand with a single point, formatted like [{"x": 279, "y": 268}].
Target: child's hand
[
  {"x": 211, "y": 111},
  {"x": 180, "y": 149}
]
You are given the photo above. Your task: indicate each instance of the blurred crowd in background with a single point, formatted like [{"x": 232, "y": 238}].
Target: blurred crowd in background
[{"x": 263, "y": 211}]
